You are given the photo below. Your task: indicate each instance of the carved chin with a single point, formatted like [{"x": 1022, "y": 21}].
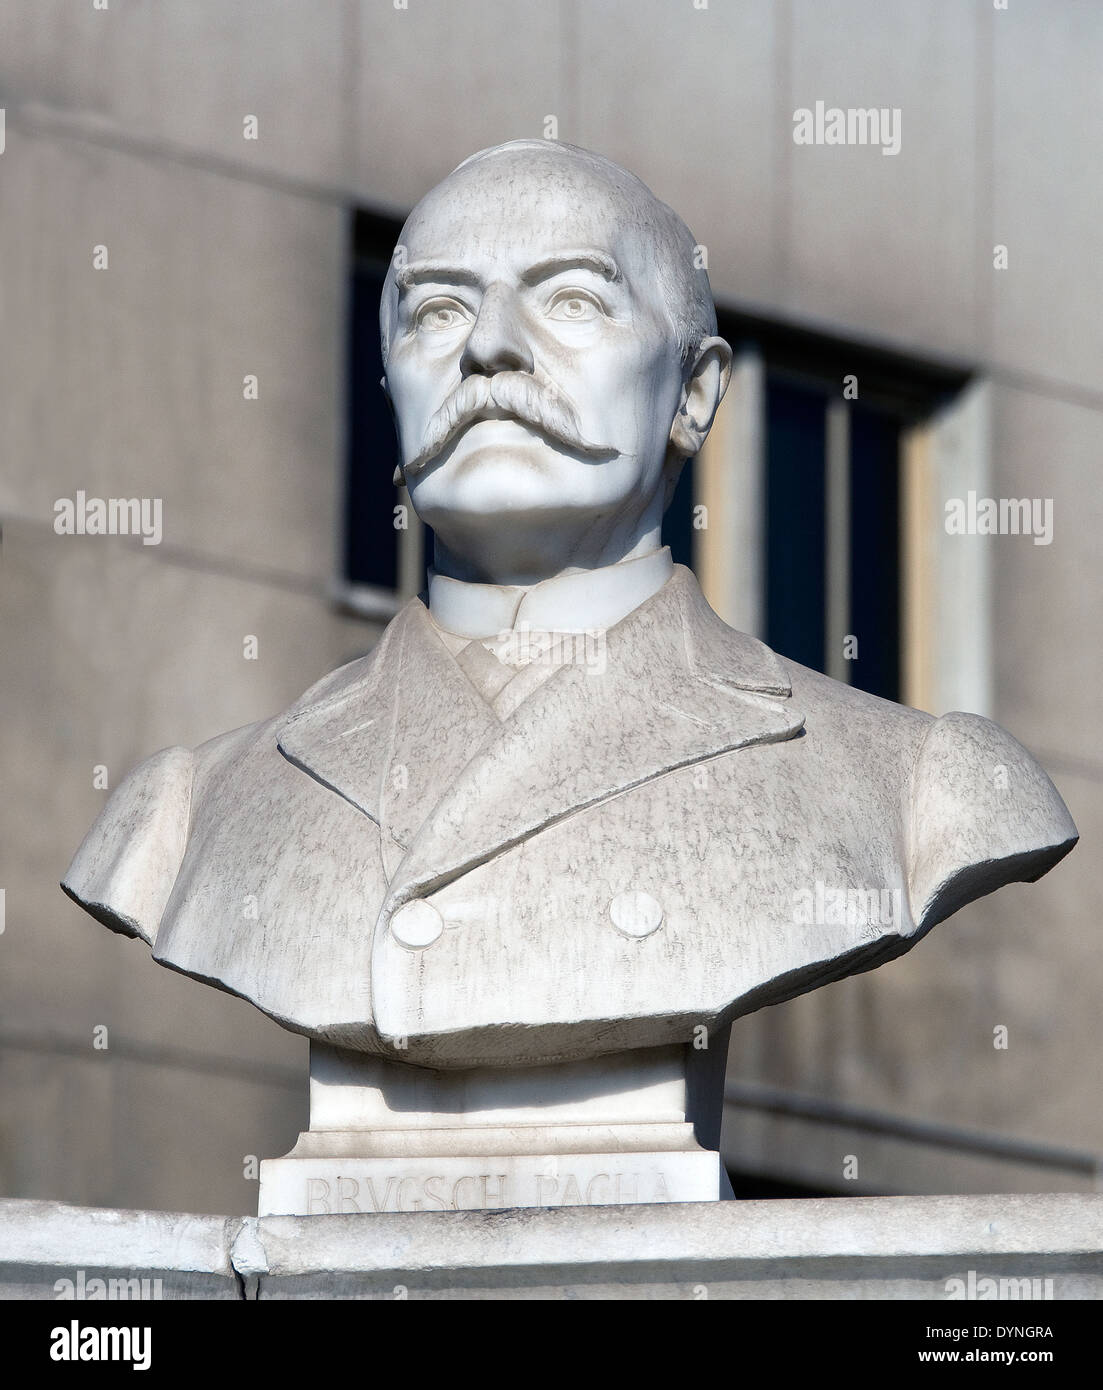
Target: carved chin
[{"x": 496, "y": 479}]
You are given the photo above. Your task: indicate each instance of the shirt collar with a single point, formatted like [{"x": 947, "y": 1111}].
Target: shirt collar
[{"x": 586, "y": 601}]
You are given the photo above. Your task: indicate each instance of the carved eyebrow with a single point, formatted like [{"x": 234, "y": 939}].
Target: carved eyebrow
[
  {"x": 417, "y": 271},
  {"x": 596, "y": 261}
]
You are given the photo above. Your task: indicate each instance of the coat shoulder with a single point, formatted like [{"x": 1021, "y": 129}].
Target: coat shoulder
[
  {"x": 849, "y": 724},
  {"x": 127, "y": 864},
  {"x": 978, "y": 811},
  {"x": 125, "y": 870},
  {"x": 984, "y": 813}
]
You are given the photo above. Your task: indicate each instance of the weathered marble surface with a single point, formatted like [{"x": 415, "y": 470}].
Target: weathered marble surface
[
  {"x": 44, "y": 1244},
  {"x": 867, "y": 1248}
]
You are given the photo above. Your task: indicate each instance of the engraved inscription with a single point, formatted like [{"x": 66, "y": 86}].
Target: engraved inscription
[{"x": 478, "y": 1191}]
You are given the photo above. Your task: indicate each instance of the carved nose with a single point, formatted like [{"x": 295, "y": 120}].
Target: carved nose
[{"x": 497, "y": 342}]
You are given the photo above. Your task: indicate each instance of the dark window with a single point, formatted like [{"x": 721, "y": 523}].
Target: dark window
[
  {"x": 796, "y": 532},
  {"x": 370, "y": 538},
  {"x": 875, "y": 593},
  {"x": 678, "y": 520},
  {"x": 805, "y": 373}
]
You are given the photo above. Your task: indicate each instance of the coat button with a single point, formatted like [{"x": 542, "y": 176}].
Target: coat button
[
  {"x": 416, "y": 925},
  {"x": 636, "y": 914}
]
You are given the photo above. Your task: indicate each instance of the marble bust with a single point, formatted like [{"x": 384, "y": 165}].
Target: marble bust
[{"x": 515, "y": 872}]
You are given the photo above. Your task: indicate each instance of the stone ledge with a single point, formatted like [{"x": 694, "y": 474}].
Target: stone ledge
[
  {"x": 43, "y": 1242},
  {"x": 866, "y": 1247}
]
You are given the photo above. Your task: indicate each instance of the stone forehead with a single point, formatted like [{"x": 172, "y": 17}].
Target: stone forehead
[{"x": 569, "y": 191}]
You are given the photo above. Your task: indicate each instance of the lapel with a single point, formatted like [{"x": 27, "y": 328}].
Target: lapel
[
  {"x": 404, "y": 736},
  {"x": 677, "y": 687},
  {"x": 391, "y": 729}
]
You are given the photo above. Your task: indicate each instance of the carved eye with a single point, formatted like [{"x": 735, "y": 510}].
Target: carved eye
[
  {"x": 439, "y": 315},
  {"x": 573, "y": 307}
]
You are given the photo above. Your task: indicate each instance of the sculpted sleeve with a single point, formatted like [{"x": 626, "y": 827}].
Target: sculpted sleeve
[
  {"x": 127, "y": 864},
  {"x": 983, "y": 813}
]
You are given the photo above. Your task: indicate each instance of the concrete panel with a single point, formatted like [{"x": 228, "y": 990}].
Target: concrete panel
[
  {"x": 190, "y": 1141},
  {"x": 186, "y": 73},
  {"x": 885, "y": 245},
  {"x": 687, "y": 99},
  {"x": 1048, "y": 109},
  {"x": 438, "y": 81},
  {"x": 852, "y": 1160},
  {"x": 106, "y": 1129},
  {"x": 128, "y": 381},
  {"x": 1048, "y": 598},
  {"x": 55, "y": 1121}
]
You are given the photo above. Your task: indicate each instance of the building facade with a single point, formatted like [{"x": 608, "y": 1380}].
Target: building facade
[{"x": 192, "y": 197}]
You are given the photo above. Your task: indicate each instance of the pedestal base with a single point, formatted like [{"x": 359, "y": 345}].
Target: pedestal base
[
  {"x": 442, "y": 1170},
  {"x": 636, "y": 1127}
]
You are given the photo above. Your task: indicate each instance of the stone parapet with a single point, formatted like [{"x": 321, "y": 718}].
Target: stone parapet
[{"x": 1014, "y": 1247}]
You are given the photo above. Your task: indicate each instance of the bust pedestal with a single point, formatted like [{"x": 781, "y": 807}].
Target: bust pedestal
[{"x": 640, "y": 1126}]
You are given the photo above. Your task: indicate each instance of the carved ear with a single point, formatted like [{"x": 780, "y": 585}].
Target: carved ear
[{"x": 706, "y": 383}]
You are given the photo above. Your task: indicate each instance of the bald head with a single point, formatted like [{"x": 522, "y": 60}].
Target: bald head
[{"x": 551, "y": 177}]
